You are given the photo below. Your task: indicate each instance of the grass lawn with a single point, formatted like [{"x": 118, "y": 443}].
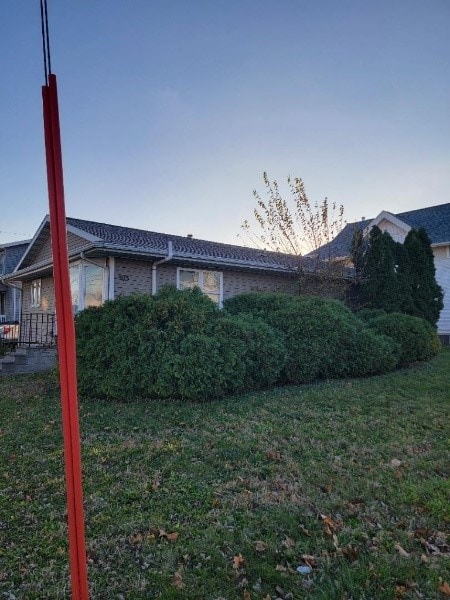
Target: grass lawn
[{"x": 225, "y": 500}]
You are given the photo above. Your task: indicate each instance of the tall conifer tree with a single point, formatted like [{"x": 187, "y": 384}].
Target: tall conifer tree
[
  {"x": 427, "y": 295},
  {"x": 379, "y": 279}
]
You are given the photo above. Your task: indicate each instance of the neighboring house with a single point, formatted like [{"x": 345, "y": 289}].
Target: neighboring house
[
  {"x": 10, "y": 256},
  {"x": 107, "y": 261},
  {"x": 434, "y": 219}
]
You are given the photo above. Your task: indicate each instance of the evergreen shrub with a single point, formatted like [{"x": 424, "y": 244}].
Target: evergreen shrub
[
  {"x": 323, "y": 338},
  {"x": 416, "y": 338},
  {"x": 176, "y": 344}
]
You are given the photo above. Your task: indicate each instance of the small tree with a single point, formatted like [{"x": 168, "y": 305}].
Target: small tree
[
  {"x": 427, "y": 295},
  {"x": 293, "y": 225},
  {"x": 378, "y": 285}
]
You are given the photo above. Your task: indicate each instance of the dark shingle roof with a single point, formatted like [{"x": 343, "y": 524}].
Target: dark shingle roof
[
  {"x": 435, "y": 219},
  {"x": 13, "y": 253},
  {"x": 126, "y": 238}
]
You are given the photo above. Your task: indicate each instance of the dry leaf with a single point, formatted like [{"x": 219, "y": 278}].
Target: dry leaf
[
  {"x": 177, "y": 580},
  {"x": 288, "y": 543},
  {"x": 238, "y": 561},
  {"x": 246, "y": 595},
  {"x": 273, "y": 455},
  {"x": 328, "y": 524},
  {"x": 309, "y": 560},
  {"x": 267, "y": 597},
  {"x": 304, "y": 530},
  {"x": 401, "y": 551},
  {"x": 444, "y": 588},
  {"x": 280, "y": 568},
  {"x": 156, "y": 481},
  {"x": 136, "y": 538},
  {"x": 172, "y": 537},
  {"x": 260, "y": 546},
  {"x": 395, "y": 463}
]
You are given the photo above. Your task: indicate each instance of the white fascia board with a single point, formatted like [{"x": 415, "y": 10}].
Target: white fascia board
[
  {"x": 35, "y": 237},
  {"x": 11, "y": 244},
  {"x": 385, "y": 215}
]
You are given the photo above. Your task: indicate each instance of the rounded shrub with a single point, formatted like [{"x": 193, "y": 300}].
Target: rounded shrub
[
  {"x": 323, "y": 338},
  {"x": 176, "y": 344},
  {"x": 110, "y": 347},
  {"x": 262, "y": 350},
  {"x": 417, "y": 339}
]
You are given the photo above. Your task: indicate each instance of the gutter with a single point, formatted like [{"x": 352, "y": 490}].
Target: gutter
[{"x": 160, "y": 262}]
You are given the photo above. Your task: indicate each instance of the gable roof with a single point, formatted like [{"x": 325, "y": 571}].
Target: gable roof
[
  {"x": 12, "y": 254},
  {"x": 434, "y": 219},
  {"x": 101, "y": 238}
]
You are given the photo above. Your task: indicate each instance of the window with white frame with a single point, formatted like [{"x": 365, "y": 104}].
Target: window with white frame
[
  {"x": 210, "y": 282},
  {"x": 87, "y": 285},
  {"x": 36, "y": 293}
]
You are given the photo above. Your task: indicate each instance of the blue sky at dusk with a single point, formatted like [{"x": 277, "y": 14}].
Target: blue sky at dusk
[{"x": 171, "y": 110}]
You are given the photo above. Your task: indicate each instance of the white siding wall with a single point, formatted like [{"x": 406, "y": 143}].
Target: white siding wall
[
  {"x": 442, "y": 263},
  {"x": 397, "y": 233}
]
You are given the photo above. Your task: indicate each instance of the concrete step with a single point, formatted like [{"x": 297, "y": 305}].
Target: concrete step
[
  {"x": 28, "y": 360},
  {"x": 7, "y": 365},
  {"x": 20, "y": 356}
]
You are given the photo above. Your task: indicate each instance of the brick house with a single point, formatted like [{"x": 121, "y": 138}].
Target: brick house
[{"x": 107, "y": 261}]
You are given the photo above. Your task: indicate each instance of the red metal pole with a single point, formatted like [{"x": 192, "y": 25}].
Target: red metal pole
[{"x": 66, "y": 343}]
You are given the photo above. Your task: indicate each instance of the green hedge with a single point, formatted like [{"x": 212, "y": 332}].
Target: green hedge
[
  {"x": 176, "y": 344},
  {"x": 417, "y": 339},
  {"x": 323, "y": 338}
]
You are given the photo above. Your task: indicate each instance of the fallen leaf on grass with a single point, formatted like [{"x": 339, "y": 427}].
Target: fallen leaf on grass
[
  {"x": 309, "y": 560},
  {"x": 238, "y": 561},
  {"x": 304, "y": 530},
  {"x": 246, "y": 595},
  {"x": 171, "y": 537},
  {"x": 273, "y": 455},
  {"x": 177, "y": 580},
  {"x": 136, "y": 538},
  {"x": 288, "y": 543},
  {"x": 260, "y": 546},
  {"x": 328, "y": 524},
  {"x": 444, "y": 588},
  {"x": 401, "y": 551},
  {"x": 395, "y": 463},
  {"x": 156, "y": 481}
]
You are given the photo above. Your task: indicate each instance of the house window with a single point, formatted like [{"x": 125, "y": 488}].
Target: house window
[
  {"x": 36, "y": 293},
  {"x": 87, "y": 286},
  {"x": 210, "y": 282},
  {"x": 74, "y": 275}
]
